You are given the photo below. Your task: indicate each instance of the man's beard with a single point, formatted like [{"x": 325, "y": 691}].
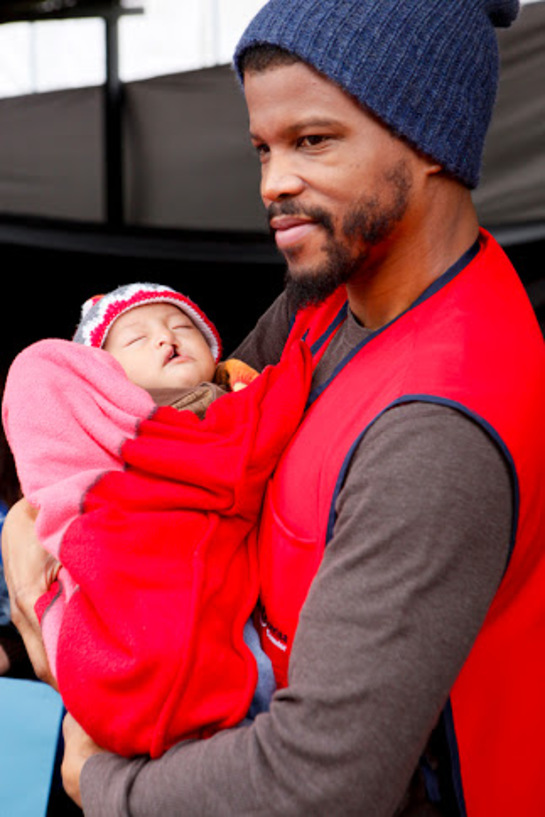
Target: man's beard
[{"x": 370, "y": 223}]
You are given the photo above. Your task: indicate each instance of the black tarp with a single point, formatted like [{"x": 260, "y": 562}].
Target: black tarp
[{"x": 188, "y": 164}]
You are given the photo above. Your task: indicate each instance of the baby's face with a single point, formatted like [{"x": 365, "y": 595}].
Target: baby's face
[{"x": 159, "y": 347}]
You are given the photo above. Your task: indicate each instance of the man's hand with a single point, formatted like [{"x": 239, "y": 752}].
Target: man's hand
[
  {"x": 30, "y": 572},
  {"x": 78, "y": 747},
  {"x": 4, "y": 661}
]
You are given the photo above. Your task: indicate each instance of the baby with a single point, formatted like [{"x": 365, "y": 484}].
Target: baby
[
  {"x": 164, "y": 343},
  {"x": 152, "y": 512}
]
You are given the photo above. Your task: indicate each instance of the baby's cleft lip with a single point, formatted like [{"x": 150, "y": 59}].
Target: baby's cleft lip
[
  {"x": 290, "y": 230},
  {"x": 172, "y": 355},
  {"x": 169, "y": 352}
]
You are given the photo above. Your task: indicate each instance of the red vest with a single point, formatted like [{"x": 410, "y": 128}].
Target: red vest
[{"x": 470, "y": 341}]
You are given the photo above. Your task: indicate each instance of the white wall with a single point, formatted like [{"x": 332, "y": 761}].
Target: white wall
[{"x": 171, "y": 36}]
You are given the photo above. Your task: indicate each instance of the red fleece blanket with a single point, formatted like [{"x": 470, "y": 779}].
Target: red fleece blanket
[{"x": 152, "y": 513}]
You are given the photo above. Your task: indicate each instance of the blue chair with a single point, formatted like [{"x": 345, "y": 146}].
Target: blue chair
[{"x": 30, "y": 721}]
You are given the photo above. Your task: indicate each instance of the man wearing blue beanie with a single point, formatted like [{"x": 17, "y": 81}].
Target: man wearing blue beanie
[{"x": 401, "y": 542}]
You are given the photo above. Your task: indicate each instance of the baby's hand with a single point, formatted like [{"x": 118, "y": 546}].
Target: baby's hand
[{"x": 234, "y": 374}]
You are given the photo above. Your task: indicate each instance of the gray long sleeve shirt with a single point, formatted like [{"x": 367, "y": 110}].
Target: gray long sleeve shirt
[{"x": 419, "y": 547}]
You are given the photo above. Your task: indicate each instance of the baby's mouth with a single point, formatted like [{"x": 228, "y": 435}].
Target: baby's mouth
[
  {"x": 174, "y": 356},
  {"x": 169, "y": 355}
]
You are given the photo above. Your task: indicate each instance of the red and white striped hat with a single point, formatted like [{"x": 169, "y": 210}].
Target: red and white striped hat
[{"x": 99, "y": 313}]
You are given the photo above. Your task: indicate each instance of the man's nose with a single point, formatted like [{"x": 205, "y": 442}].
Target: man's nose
[{"x": 279, "y": 179}]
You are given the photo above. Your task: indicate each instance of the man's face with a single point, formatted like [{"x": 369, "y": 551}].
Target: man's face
[
  {"x": 160, "y": 347},
  {"x": 336, "y": 183}
]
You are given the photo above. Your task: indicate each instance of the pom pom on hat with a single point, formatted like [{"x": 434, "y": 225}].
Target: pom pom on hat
[
  {"x": 502, "y": 12},
  {"x": 99, "y": 313}
]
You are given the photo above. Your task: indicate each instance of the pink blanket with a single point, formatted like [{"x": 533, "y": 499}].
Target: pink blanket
[{"x": 152, "y": 513}]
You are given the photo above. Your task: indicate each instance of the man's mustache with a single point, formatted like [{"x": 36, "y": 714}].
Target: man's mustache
[{"x": 293, "y": 208}]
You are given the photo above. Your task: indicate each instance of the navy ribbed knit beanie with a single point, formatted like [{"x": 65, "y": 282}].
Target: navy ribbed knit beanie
[{"x": 427, "y": 68}]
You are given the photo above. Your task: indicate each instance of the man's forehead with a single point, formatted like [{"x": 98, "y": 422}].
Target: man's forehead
[
  {"x": 297, "y": 96},
  {"x": 296, "y": 84}
]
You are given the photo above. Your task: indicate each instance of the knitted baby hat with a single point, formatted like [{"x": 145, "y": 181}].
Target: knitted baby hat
[
  {"x": 427, "y": 68},
  {"x": 99, "y": 313}
]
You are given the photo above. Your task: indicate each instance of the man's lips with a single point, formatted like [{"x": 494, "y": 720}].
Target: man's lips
[{"x": 290, "y": 230}]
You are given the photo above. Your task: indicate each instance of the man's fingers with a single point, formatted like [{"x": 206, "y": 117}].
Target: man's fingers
[
  {"x": 29, "y": 572},
  {"x": 78, "y": 747}
]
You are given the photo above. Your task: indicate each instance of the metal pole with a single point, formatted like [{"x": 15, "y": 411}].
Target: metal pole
[
  {"x": 33, "y": 59},
  {"x": 215, "y": 26},
  {"x": 113, "y": 130}
]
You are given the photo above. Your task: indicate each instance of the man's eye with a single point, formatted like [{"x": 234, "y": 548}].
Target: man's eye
[
  {"x": 262, "y": 150},
  {"x": 312, "y": 140}
]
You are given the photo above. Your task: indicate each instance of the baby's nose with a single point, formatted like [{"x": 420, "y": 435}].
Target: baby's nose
[{"x": 166, "y": 336}]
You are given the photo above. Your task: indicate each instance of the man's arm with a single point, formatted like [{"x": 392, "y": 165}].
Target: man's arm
[{"x": 419, "y": 548}]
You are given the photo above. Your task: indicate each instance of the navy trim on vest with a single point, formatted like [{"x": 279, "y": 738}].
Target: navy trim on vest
[
  {"x": 441, "y": 401},
  {"x": 435, "y": 287},
  {"x": 450, "y": 274},
  {"x": 339, "y": 318},
  {"x": 442, "y": 777},
  {"x": 447, "y": 719},
  {"x": 447, "y": 716}
]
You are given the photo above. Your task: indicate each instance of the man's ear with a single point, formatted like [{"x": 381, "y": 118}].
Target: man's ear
[{"x": 432, "y": 168}]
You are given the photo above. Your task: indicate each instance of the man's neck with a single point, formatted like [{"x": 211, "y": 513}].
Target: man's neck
[{"x": 401, "y": 270}]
